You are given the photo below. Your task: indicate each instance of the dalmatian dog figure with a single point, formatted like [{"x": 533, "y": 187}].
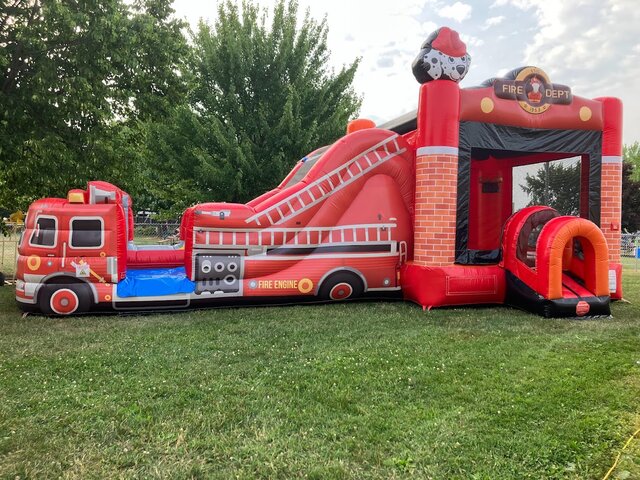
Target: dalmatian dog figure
[{"x": 443, "y": 56}]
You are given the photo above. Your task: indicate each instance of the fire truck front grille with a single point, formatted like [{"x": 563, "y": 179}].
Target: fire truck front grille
[{"x": 218, "y": 273}]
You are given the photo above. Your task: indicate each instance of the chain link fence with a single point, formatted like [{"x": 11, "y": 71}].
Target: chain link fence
[
  {"x": 628, "y": 244},
  {"x": 165, "y": 233},
  {"x": 9, "y": 250},
  {"x": 146, "y": 233}
]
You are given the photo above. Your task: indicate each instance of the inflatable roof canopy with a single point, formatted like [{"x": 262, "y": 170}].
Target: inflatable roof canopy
[{"x": 421, "y": 207}]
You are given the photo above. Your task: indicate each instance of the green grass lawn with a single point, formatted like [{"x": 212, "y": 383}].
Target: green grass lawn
[{"x": 367, "y": 390}]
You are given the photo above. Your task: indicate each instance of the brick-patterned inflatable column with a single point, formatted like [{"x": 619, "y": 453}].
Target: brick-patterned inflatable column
[
  {"x": 436, "y": 173},
  {"x": 611, "y": 206},
  {"x": 611, "y": 186},
  {"x": 611, "y": 189},
  {"x": 435, "y": 226}
]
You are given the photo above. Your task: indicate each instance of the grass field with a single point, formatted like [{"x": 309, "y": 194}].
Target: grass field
[{"x": 368, "y": 390}]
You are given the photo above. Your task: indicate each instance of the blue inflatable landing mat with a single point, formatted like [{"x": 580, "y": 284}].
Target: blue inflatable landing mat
[{"x": 154, "y": 282}]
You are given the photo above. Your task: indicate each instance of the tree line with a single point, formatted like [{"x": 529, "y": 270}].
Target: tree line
[{"x": 126, "y": 92}]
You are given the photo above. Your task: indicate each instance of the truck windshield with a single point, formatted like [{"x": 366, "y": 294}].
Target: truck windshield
[
  {"x": 86, "y": 233},
  {"x": 44, "y": 234},
  {"x": 307, "y": 163}
]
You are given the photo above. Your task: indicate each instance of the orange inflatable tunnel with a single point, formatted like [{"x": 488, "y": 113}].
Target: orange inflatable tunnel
[
  {"x": 555, "y": 251},
  {"x": 556, "y": 265}
]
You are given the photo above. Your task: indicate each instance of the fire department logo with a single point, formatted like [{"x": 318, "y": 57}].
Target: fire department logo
[{"x": 533, "y": 91}]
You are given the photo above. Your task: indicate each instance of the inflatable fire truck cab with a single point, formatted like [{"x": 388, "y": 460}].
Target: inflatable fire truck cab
[{"x": 421, "y": 206}]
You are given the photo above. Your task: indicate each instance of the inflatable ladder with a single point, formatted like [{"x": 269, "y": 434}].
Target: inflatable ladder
[
  {"x": 555, "y": 265},
  {"x": 312, "y": 236},
  {"x": 333, "y": 181}
]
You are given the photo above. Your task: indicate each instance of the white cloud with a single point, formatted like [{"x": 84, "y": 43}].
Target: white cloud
[
  {"x": 493, "y": 21},
  {"x": 429, "y": 27},
  {"x": 520, "y": 4},
  {"x": 591, "y": 45},
  {"x": 471, "y": 41},
  {"x": 458, "y": 11}
]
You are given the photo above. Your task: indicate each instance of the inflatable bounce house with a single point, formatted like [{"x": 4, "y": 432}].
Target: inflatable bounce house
[{"x": 421, "y": 206}]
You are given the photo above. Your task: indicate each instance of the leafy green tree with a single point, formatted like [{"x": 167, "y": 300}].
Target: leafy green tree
[
  {"x": 631, "y": 188},
  {"x": 631, "y": 155},
  {"x": 263, "y": 97},
  {"x": 556, "y": 185},
  {"x": 78, "y": 79}
]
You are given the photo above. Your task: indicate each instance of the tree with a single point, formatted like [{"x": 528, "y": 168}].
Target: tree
[
  {"x": 562, "y": 191},
  {"x": 263, "y": 97},
  {"x": 78, "y": 79},
  {"x": 556, "y": 185},
  {"x": 631, "y": 155},
  {"x": 631, "y": 188}
]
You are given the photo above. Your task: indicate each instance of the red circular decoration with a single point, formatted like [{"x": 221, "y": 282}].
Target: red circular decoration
[
  {"x": 582, "y": 308},
  {"x": 341, "y": 291},
  {"x": 64, "y": 301}
]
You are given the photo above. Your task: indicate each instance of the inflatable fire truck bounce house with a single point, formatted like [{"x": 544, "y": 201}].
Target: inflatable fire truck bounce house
[{"x": 421, "y": 206}]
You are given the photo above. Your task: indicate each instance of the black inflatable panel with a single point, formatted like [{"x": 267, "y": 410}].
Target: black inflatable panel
[{"x": 520, "y": 295}]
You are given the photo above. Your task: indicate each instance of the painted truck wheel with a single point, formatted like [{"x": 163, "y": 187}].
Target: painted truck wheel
[
  {"x": 57, "y": 299},
  {"x": 341, "y": 286}
]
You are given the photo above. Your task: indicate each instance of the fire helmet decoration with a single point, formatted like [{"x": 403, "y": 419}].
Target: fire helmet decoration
[{"x": 442, "y": 56}]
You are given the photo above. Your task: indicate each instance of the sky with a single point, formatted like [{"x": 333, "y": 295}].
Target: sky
[{"x": 593, "y": 46}]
